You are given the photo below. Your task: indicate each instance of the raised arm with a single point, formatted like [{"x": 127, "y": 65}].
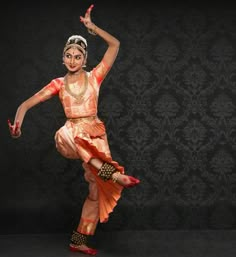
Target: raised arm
[{"x": 113, "y": 43}]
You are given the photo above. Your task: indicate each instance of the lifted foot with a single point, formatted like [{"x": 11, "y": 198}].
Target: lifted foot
[{"x": 125, "y": 180}]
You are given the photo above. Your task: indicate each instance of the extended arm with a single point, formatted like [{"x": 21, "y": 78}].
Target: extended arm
[
  {"x": 15, "y": 128},
  {"x": 113, "y": 43}
]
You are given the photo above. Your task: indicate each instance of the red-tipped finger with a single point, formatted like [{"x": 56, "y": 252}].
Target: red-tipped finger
[
  {"x": 9, "y": 122},
  {"x": 17, "y": 126},
  {"x": 90, "y": 8}
]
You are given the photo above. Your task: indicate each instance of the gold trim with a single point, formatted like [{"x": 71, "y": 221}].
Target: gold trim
[
  {"x": 79, "y": 119},
  {"x": 87, "y": 227}
]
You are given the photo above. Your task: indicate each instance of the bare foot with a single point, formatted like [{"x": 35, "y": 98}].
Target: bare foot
[
  {"x": 125, "y": 180},
  {"x": 83, "y": 248}
]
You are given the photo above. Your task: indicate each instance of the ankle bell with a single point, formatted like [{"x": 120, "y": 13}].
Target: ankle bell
[
  {"x": 78, "y": 238},
  {"x": 106, "y": 171}
]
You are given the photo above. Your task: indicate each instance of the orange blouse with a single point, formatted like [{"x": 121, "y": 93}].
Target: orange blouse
[{"x": 74, "y": 108}]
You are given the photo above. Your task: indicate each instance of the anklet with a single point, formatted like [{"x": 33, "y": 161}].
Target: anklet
[
  {"x": 106, "y": 171},
  {"x": 78, "y": 238}
]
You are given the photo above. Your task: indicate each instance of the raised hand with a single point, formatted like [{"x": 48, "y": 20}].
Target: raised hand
[
  {"x": 87, "y": 17},
  {"x": 15, "y": 130},
  {"x": 88, "y": 22}
]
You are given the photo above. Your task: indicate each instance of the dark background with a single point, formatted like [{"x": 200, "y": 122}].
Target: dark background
[{"x": 169, "y": 104}]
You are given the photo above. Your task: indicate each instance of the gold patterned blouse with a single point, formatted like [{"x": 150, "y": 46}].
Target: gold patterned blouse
[{"x": 79, "y": 104}]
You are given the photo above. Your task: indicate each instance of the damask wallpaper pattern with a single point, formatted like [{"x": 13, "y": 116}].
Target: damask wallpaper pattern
[{"x": 169, "y": 107}]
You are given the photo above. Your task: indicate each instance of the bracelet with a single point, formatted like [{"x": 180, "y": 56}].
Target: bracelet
[{"x": 93, "y": 31}]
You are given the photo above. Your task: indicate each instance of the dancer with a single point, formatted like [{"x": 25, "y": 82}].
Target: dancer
[{"x": 83, "y": 136}]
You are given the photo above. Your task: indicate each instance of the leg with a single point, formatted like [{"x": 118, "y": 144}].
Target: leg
[
  {"x": 110, "y": 173},
  {"x": 89, "y": 217}
]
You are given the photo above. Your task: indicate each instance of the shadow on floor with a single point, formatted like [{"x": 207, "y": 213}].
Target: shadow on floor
[{"x": 126, "y": 244}]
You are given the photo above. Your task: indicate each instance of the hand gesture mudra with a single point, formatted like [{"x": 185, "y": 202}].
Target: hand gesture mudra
[
  {"x": 86, "y": 20},
  {"x": 15, "y": 130}
]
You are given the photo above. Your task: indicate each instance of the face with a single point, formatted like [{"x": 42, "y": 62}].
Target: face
[{"x": 73, "y": 59}]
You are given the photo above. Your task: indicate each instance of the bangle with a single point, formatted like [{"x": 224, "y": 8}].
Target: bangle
[{"x": 93, "y": 31}]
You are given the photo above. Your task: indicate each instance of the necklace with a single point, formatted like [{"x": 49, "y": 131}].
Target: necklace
[{"x": 82, "y": 88}]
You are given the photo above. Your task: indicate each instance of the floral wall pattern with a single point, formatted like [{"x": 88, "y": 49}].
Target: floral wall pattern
[{"x": 169, "y": 104}]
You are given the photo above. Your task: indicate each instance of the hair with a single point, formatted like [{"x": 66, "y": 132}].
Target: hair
[{"x": 77, "y": 41}]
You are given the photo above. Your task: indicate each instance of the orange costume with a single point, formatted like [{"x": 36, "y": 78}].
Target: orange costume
[{"x": 83, "y": 136}]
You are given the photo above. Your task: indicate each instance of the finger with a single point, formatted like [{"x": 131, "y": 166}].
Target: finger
[
  {"x": 90, "y": 9},
  {"x": 16, "y": 127},
  {"x": 10, "y": 126},
  {"x": 9, "y": 123}
]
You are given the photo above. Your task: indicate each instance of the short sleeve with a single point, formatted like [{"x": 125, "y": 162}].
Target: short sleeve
[
  {"x": 100, "y": 71},
  {"x": 50, "y": 90}
]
